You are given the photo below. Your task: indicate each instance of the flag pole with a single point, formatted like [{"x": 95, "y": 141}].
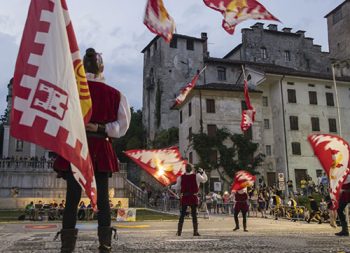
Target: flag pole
[
  {"x": 337, "y": 100},
  {"x": 243, "y": 71},
  {"x": 340, "y": 129}
]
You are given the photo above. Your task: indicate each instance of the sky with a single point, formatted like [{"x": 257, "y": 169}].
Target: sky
[{"x": 115, "y": 28}]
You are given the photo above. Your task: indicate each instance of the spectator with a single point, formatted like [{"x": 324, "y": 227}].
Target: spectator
[
  {"x": 29, "y": 210},
  {"x": 303, "y": 188},
  {"x": 81, "y": 212},
  {"x": 314, "y": 212},
  {"x": 262, "y": 204}
]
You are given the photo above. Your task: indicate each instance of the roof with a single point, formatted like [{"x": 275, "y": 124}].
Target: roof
[
  {"x": 175, "y": 35},
  {"x": 277, "y": 69},
  {"x": 336, "y": 8},
  {"x": 224, "y": 87},
  {"x": 233, "y": 51}
]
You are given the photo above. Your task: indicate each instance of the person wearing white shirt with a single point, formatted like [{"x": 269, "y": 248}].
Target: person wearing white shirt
[{"x": 188, "y": 185}]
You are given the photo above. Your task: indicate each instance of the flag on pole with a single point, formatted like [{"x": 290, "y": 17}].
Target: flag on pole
[
  {"x": 248, "y": 115},
  {"x": 158, "y": 20},
  {"x": 333, "y": 154},
  {"x": 236, "y": 11},
  {"x": 165, "y": 165},
  {"x": 242, "y": 180},
  {"x": 186, "y": 90},
  {"x": 51, "y": 97}
]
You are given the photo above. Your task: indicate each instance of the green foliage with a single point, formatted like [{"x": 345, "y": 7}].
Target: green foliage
[
  {"x": 237, "y": 155},
  {"x": 166, "y": 138},
  {"x": 134, "y": 137}
]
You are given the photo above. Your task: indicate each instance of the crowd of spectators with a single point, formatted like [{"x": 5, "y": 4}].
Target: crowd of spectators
[{"x": 19, "y": 162}]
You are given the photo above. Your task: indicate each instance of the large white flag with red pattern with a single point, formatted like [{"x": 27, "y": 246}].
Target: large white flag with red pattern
[
  {"x": 242, "y": 180},
  {"x": 51, "y": 97},
  {"x": 158, "y": 20},
  {"x": 333, "y": 153},
  {"x": 165, "y": 165},
  {"x": 248, "y": 115},
  {"x": 236, "y": 11}
]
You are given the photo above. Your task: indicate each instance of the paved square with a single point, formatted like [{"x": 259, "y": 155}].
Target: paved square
[{"x": 265, "y": 235}]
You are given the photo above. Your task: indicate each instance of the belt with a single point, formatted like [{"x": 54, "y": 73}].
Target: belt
[
  {"x": 97, "y": 135},
  {"x": 186, "y": 194}
]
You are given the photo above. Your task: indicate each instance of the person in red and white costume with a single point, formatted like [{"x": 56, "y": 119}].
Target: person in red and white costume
[
  {"x": 241, "y": 205},
  {"x": 188, "y": 185},
  {"x": 344, "y": 200},
  {"x": 110, "y": 119}
]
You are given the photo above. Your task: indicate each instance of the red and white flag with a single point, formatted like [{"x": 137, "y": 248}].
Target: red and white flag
[
  {"x": 51, "y": 97},
  {"x": 186, "y": 90},
  {"x": 243, "y": 179},
  {"x": 158, "y": 20},
  {"x": 248, "y": 115},
  {"x": 165, "y": 165},
  {"x": 236, "y": 11},
  {"x": 333, "y": 153}
]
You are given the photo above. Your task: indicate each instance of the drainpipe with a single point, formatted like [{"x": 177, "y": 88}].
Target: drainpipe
[{"x": 286, "y": 169}]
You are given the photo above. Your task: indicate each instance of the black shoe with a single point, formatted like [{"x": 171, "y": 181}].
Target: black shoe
[
  {"x": 235, "y": 229},
  {"x": 245, "y": 230},
  {"x": 342, "y": 233}
]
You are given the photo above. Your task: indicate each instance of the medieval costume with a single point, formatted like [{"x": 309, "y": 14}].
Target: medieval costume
[
  {"x": 110, "y": 119},
  {"x": 343, "y": 201},
  {"x": 241, "y": 205},
  {"x": 188, "y": 185}
]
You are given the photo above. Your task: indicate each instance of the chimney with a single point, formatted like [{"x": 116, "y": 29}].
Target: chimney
[
  {"x": 272, "y": 27},
  {"x": 287, "y": 30},
  {"x": 204, "y": 36},
  {"x": 301, "y": 32},
  {"x": 258, "y": 25}
]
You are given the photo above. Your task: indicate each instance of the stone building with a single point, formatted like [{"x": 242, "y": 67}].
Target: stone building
[
  {"x": 282, "y": 48},
  {"x": 338, "y": 22},
  {"x": 167, "y": 67},
  {"x": 296, "y": 94}
]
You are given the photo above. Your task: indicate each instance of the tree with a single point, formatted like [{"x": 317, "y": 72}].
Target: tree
[
  {"x": 134, "y": 137},
  {"x": 226, "y": 152},
  {"x": 166, "y": 138}
]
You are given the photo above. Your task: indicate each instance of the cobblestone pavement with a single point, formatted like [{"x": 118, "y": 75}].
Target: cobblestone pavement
[{"x": 265, "y": 235}]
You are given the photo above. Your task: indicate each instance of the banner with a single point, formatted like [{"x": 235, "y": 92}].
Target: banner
[
  {"x": 243, "y": 179},
  {"x": 333, "y": 153},
  {"x": 236, "y": 11},
  {"x": 158, "y": 20},
  {"x": 51, "y": 98},
  {"x": 165, "y": 165}
]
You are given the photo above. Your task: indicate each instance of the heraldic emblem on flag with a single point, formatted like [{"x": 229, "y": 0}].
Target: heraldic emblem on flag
[
  {"x": 158, "y": 20},
  {"x": 165, "y": 165},
  {"x": 333, "y": 153},
  {"x": 48, "y": 82},
  {"x": 242, "y": 180},
  {"x": 248, "y": 116},
  {"x": 236, "y": 11}
]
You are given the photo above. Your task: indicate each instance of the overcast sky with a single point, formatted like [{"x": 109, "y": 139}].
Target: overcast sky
[{"x": 115, "y": 28}]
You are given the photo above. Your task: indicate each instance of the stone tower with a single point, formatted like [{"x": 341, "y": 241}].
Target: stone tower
[
  {"x": 168, "y": 68},
  {"x": 338, "y": 22}
]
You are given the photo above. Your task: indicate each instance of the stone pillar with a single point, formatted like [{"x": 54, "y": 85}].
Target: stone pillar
[
  {"x": 32, "y": 150},
  {"x": 6, "y": 143}
]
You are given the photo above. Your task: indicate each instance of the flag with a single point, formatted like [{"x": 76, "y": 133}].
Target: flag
[
  {"x": 242, "y": 180},
  {"x": 165, "y": 165},
  {"x": 333, "y": 154},
  {"x": 51, "y": 98},
  {"x": 158, "y": 20},
  {"x": 186, "y": 90},
  {"x": 248, "y": 116},
  {"x": 236, "y": 11}
]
